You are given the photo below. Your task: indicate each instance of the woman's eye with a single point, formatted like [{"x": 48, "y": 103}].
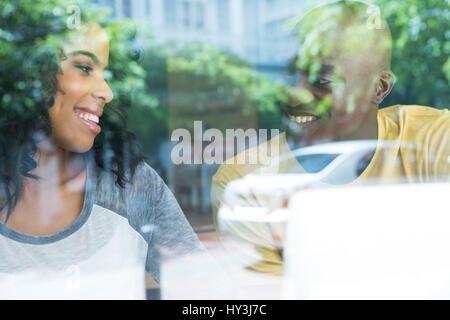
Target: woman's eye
[{"x": 84, "y": 68}]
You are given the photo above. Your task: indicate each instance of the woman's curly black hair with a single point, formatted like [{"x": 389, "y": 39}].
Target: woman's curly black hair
[{"x": 29, "y": 63}]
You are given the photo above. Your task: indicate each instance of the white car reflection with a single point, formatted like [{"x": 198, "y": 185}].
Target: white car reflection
[
  {"x": 259, "y": 201},
  {"x": 337, "y": 162}
]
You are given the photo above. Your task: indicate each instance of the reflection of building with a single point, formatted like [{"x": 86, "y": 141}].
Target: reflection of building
[{"x": 253, "y": 29}]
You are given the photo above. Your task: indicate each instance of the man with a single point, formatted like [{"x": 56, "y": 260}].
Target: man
[{"x": 345, "y": 74}]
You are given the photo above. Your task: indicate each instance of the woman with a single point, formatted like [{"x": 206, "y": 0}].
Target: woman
[{"x": 81, "y": 214}]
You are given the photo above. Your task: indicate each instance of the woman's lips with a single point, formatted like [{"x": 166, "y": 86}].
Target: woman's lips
[{"x": 89, "y": 119}]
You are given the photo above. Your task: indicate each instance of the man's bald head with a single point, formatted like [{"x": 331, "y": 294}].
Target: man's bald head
[
  {"x": 344, "y": 62},
  {"x": 343, "y": 30}
]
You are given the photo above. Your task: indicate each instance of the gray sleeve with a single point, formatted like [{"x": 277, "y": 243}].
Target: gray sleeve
[{"x": 154, "y": 212}]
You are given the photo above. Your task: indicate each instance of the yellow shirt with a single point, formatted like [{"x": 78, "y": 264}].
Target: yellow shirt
[
  {"x": 419, "y": 151},
  {"x": 421, "y": 148}
]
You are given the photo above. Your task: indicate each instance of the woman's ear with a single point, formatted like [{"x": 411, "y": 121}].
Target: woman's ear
[{"x": 383, "y": 86}]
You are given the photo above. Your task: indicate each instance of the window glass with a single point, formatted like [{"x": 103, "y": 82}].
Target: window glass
[{"x": 139, "y": 138}]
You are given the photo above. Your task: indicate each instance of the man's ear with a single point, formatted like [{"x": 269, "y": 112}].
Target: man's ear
[{"x": 383, "y": 86}]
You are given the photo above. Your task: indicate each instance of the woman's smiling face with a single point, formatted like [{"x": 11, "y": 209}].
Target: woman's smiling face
[{"x": 83, "y": 91}]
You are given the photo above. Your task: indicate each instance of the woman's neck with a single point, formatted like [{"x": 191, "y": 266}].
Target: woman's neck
[
  {"x": 55, "y": 168},
  {"x": 61, "y": 181}
]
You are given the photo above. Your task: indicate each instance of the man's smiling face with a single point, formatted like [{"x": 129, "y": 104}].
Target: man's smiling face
[
  {"x": 340, "y": 100},
  {"x": 340, "y": 65}
]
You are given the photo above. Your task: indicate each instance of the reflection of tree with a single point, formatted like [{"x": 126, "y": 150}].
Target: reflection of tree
[
  {"x": 199, "y": 82},
  {"x": 32, "y": 30},
  {"x": 421, "y": 51}
]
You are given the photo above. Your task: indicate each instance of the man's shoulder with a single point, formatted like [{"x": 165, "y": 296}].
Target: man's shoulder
[
  {"x": 416, "y": 111},
  {"x": 423, "y": 126},
  {"x": 411, "y": 121}
]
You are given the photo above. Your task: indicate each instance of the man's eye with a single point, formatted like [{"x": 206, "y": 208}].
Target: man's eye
[
  {"x": 323, "y": 81},
  {"x": 84, "y": 68}
]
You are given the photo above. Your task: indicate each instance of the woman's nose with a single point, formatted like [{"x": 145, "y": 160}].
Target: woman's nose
[{"x": 103, "y": 91}]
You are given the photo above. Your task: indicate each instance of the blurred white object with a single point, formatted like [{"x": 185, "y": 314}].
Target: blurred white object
[
  {"x": 254, "y": 207},
  {"x": 255, "y": 201},
  {"x": 373, "y": 242},
  {"x": 198, "y": 277}
]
